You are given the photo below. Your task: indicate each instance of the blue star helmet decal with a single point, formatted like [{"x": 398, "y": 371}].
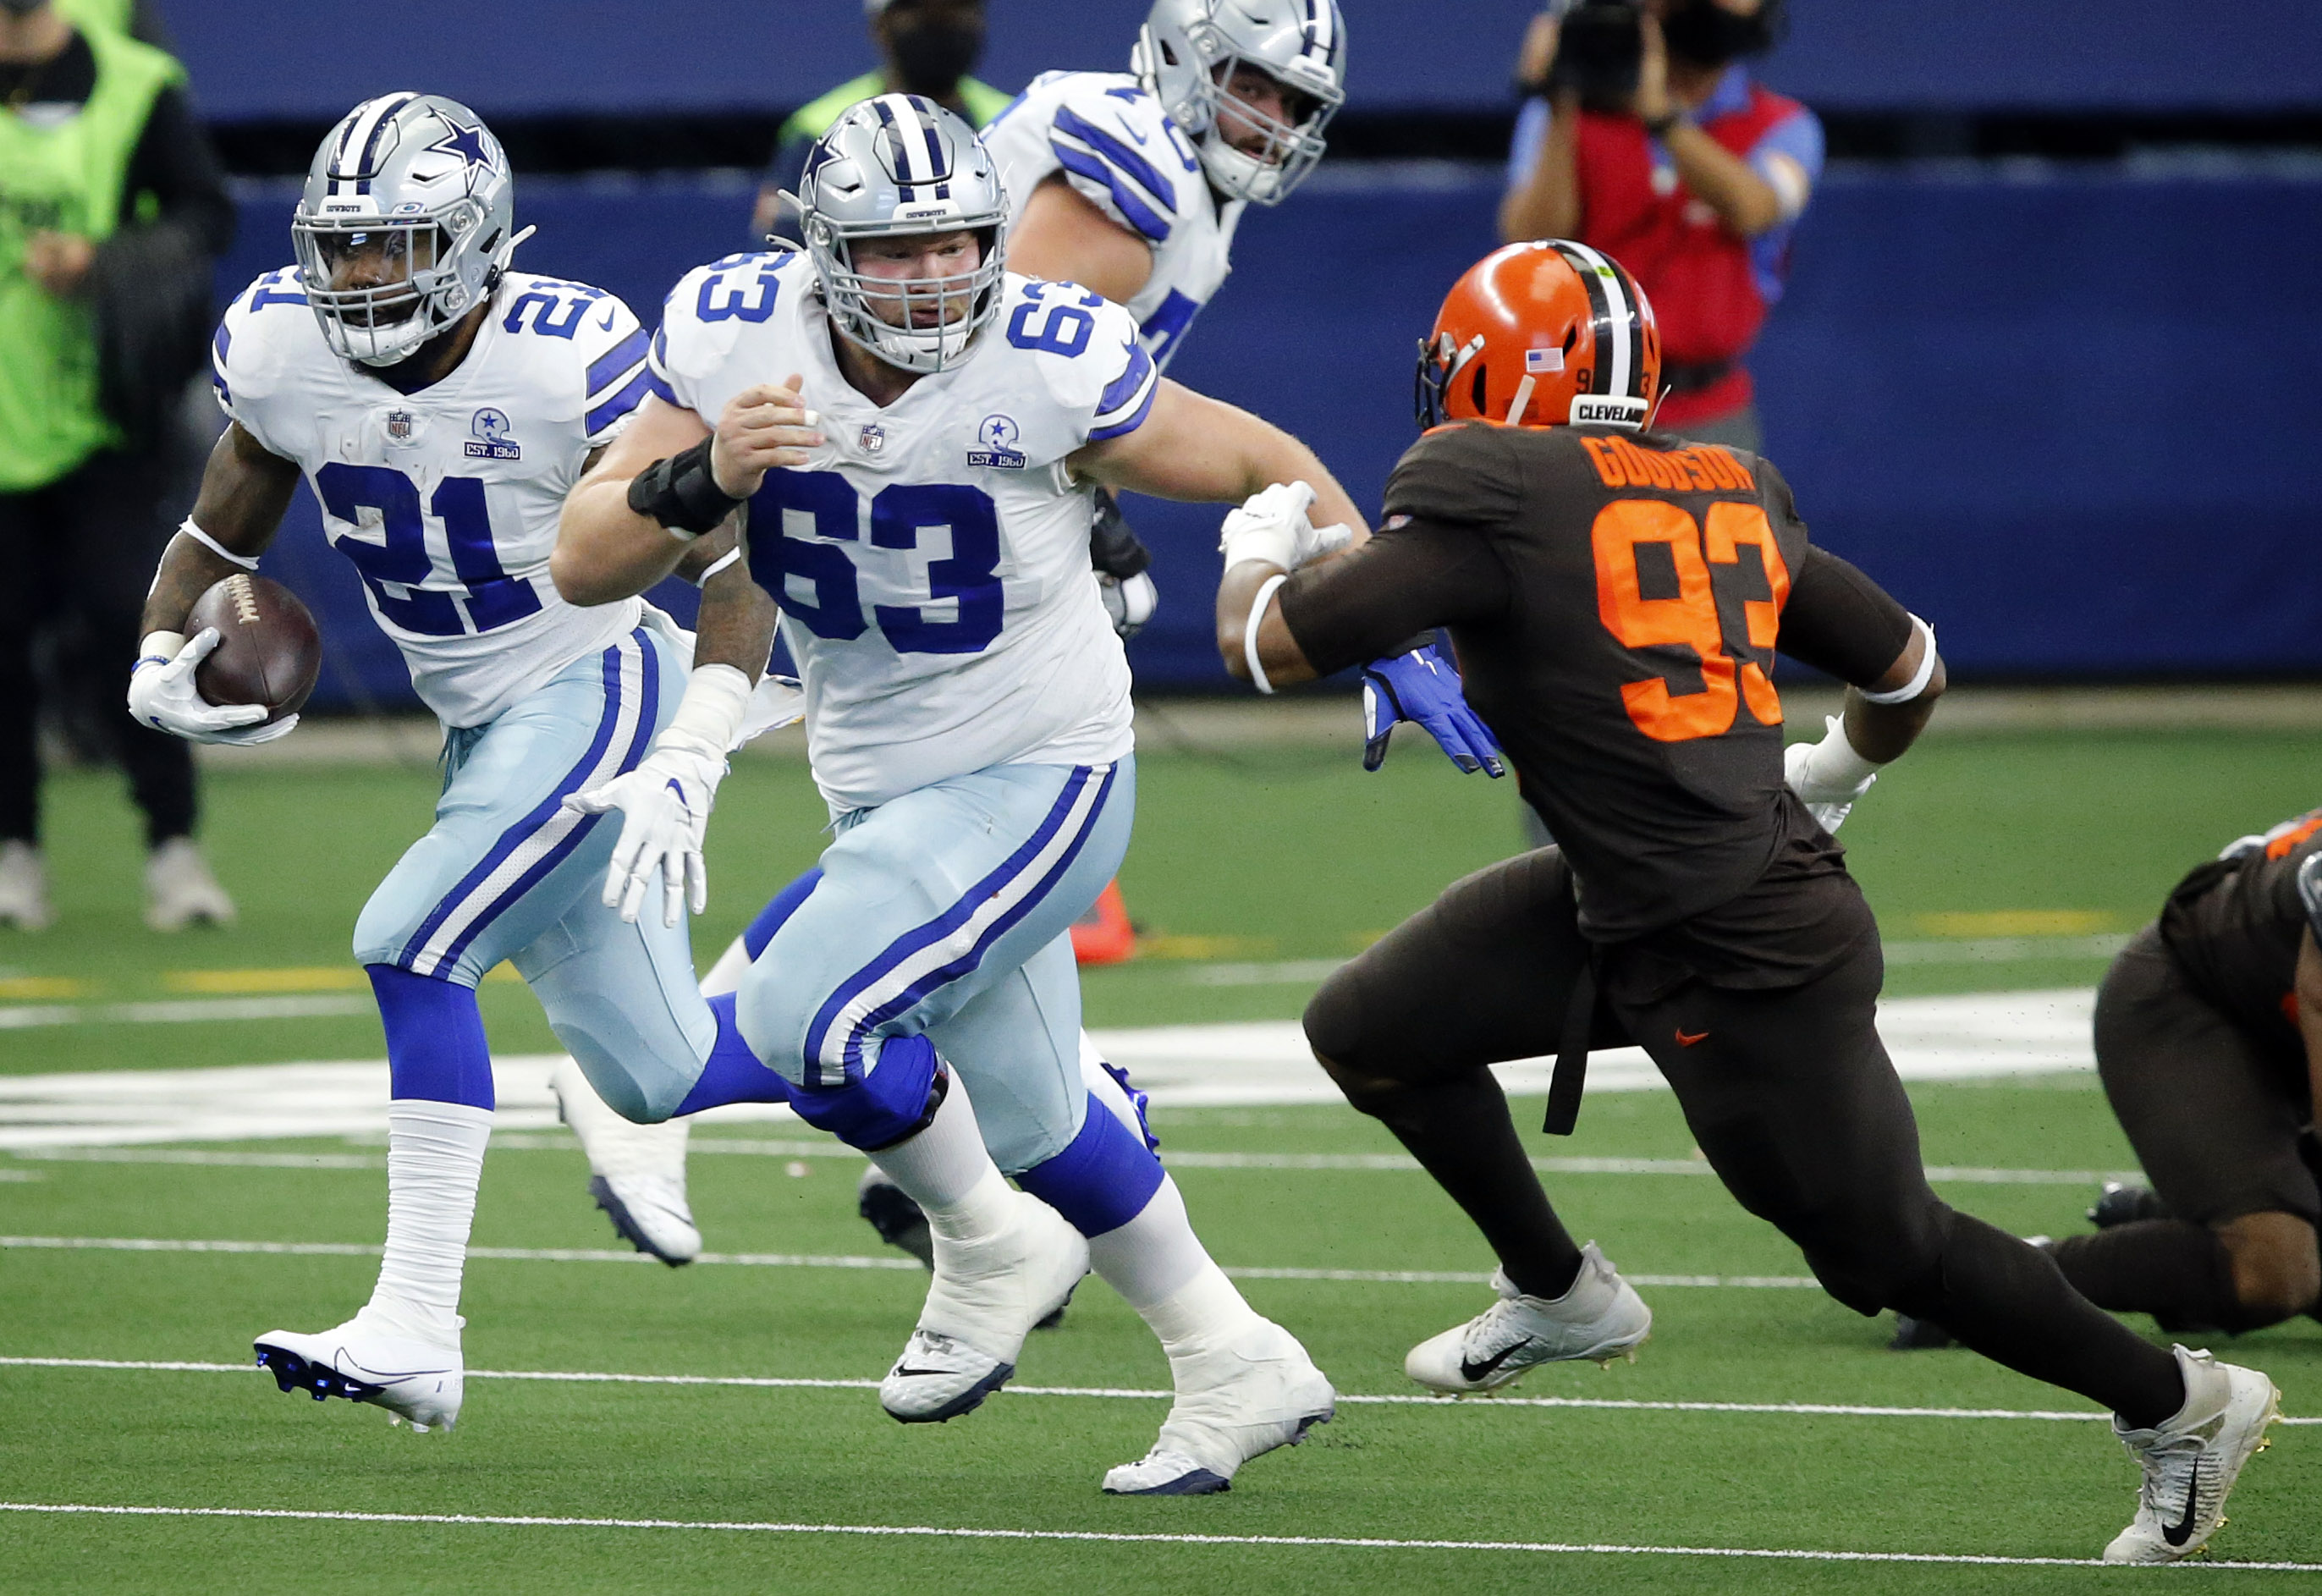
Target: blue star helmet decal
[{"x": 466, "y": 142}]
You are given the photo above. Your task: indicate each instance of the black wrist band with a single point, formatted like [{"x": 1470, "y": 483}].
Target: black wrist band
[
  {"x": 1658, "y": 126},
  {"x": 680, "y": 492}
]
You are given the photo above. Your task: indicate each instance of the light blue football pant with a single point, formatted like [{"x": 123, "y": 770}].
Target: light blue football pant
[
  {"x": 947, "y": 913},
  {"x": 507, "y": 872}
]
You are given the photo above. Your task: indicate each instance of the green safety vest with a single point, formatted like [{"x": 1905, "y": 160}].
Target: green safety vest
[
  {"x": 811, "y": 121},
  {"x": 64, "y": 179},
  {"x": 116, "y": 15}
]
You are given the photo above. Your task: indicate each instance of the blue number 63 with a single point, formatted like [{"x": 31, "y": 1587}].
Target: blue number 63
[
  {"x": 1066, "y": 330},
  {"x": 815, "y": 582}
]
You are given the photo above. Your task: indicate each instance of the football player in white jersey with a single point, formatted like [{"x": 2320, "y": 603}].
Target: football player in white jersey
[
  {"x": 968, "y": 715},
  {"x": 1132, "y": 184},
  {"x": 440, "y": 405}
]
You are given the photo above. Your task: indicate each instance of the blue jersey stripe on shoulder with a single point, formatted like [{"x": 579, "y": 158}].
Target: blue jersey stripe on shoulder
[
  {"x": 608, "y": 366},
  {"x": 218, "y": 347},
  {"x": 1123, "y": 388},
  {"x": 1128, "y": 424},
  {"x": 1141, "y": 216},
  {"x": 659, "y": 389},
  {"x": 1122, "y": 157},
  {"x": 631, "y": 395}
]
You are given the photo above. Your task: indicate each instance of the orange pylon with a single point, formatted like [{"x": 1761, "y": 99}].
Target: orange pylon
[{"x": 1104, "y": 935}]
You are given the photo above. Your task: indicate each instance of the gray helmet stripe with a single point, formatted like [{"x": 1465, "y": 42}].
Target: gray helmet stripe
[{"x": 366, "y": 125}]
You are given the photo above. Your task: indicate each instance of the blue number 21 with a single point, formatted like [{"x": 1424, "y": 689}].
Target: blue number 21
[
  {"x": 790, "y": 567},
  {"x": 492, "y": 597}
]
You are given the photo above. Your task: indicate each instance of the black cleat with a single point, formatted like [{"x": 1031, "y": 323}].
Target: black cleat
[
  {"x": 891, "y": 1212},
  {"x": 2121, "y": 1203}
]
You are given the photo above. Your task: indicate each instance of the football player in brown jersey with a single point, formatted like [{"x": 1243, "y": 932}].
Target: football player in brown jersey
[
  {"x": 1616, "y": 597},
  {"x": 2209, "y": 1033}
]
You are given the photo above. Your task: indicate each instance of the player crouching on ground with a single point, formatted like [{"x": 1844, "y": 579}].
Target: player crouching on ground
[
  {"x": 927, "y": 538},
  {"x": 2208, "y": 1038},
  {"x": 442, "y": 405},
  {"x": 1616, "y": 597}
]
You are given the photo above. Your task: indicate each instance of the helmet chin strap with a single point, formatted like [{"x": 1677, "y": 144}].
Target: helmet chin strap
[{"x": 501, "y": 256}]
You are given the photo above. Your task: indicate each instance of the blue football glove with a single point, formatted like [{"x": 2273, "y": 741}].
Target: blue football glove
[{"x": 1421, "y": 686}]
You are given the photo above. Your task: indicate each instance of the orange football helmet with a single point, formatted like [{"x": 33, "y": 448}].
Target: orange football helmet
[{"x": 1550, "y": 333}]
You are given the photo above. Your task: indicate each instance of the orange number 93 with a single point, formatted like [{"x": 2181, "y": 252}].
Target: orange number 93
[{"x": 1690, "y": 619}]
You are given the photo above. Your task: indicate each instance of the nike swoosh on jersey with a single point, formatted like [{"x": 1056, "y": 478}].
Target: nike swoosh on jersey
[
  {"x": 607, "y": 323},
  {"x": 1684, "y": 1040},
  {"x": 1472, "y": 1371}
]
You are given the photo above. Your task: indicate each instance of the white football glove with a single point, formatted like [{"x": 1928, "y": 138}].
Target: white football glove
[
  {"x": 163, "y": 695},
  {"x": 1130, "y": 601},
  {"x": 1828, "y": 776},
  {"x": 1271, "y": 525},
  {"x": 665, "y": 801}
]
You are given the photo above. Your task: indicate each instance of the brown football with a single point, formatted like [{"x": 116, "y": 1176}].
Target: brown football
[{"x": 269, "y": 651}]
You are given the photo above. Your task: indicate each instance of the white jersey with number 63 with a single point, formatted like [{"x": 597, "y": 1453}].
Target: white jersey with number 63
[
  {"x": 446, "y": 499},
  {"x": 931, "y": 557}
]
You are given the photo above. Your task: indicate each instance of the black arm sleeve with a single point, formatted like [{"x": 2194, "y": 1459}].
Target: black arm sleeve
[
  {"x": 1840, "y": 621},
  {"x": 1413, "y": 576},
  {"x": 176, "y": 163}
]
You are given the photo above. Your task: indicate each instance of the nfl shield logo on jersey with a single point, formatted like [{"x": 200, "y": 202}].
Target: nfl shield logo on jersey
[
  {"x": 401, "y": 425},
  {"x": 491, "y": 442},
  {"x": 873, "y": 437},
  {"x": 998, "y": 435}
]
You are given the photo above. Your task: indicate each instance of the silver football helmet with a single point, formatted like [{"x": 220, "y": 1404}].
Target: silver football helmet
[
  {"x": 1185, "y": 56},
  {"x": 417, "y": 185},
  {"x": 892, "y": 166}
]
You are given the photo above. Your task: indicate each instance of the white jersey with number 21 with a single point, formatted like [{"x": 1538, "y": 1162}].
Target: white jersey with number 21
[
  {"x": 931, "y": 557},
  {"x": 446, "y": 499}
]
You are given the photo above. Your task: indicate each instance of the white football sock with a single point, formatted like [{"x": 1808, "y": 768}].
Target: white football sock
[
  {"x": 435, "y": 1161},
  {"x": 946, "y": 1172},
  {"x": 726, "y": 975},
  {"x": 1160, "y": 1268}
]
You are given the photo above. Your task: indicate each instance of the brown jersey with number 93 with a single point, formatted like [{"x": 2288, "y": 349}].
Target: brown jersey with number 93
[{"x": 1615, "y": 600}]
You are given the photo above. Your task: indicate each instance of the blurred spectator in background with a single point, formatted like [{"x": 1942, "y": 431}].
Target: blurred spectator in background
[
  {"x": 926, "y": 47},
  {"x": 1644, "y": 136},
  {"x": 112, "y": 207}
]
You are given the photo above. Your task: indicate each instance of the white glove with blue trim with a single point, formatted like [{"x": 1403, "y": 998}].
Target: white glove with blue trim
[
  {"x": 665, "y": 801},
  {"x": 163, "y": 695},
  {"x": 1271, "y": 525}
]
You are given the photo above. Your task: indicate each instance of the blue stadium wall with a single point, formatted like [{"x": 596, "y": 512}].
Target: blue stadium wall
[{"x": 2070, "y": 415}]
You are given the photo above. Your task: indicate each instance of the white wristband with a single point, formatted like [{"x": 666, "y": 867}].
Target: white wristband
[
  {"x": 164, "y": 646},
  {"x": 1265, "y": 592},
  {"x": 247, "y": 563},
  {"x": 711, "y": 714},
  {"x": 1919, "y": 679},
  {"x": 717, "y": 565}
]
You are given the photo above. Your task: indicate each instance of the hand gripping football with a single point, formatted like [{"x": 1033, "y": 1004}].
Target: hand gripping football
[{"x": 268, "y": 651}]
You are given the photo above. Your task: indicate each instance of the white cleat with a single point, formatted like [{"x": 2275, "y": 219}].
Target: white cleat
[
  {"x": 418, "y": 1381},
  {"x": 1600, "y": 1317},
  {"x": 2192, "y": 1460},
  {"x": 986, "y": 1298},
  {"x": 179, "y": 889},
  {"x": 24, "y": 888},
  {"x": 1252, "y": 1392},
  {"x": 637, "y": 1172}
]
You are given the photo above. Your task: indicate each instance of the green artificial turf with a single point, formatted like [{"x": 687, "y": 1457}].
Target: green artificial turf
[{"x": 1244, "y": 863}]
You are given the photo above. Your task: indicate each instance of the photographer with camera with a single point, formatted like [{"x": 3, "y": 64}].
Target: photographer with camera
[{"x": 1644, "y": 136}]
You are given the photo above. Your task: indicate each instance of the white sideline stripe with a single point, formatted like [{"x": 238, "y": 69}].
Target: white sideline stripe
[
  {"x": 1978, "y": 1037},
  {"x": 773, "y": 1147},
  {"x": 1395, "y": 1399},
  {"x": 187, "y": 1011},
  {"x": 1355, "y": 1543},
  {"x": 348, "y": 1249}
]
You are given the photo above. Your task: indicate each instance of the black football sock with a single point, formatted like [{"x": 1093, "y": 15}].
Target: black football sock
[
  {"x": 2008, "y": 1300},
  {"x": 2179, "y": 1272},
  {"x": 1460, "y": 1132}
]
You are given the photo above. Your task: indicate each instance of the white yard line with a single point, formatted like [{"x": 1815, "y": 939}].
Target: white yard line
[
  {"x": 345, "y": 1249},
  {"x": 1984, "y": 1035},
  {"x": 778, "y": 1147},
  {"x": 927, "y": 1531},
  {"x": 1128, "y": 1393}
]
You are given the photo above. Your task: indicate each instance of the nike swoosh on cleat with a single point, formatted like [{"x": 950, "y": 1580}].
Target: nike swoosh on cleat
[
  {"x": 1685, "y": 1041},
  {"x": 2179, "y": 1533},
  {"x": 1474, "y": 1372},
  {"x": 917, "y": 1373}
]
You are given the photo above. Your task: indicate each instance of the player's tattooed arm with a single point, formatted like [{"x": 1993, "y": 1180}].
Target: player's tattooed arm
[
  {"x": 735, "y": 625},
  {"x": 244, "y": 492}
]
